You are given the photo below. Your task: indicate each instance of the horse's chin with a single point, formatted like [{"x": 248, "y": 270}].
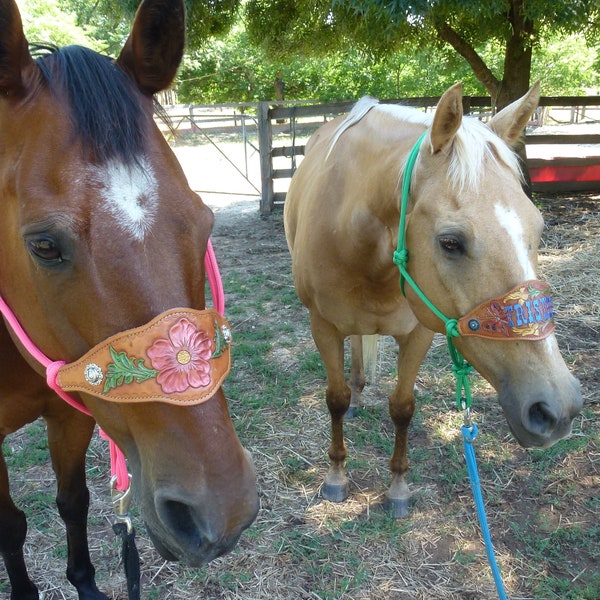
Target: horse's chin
[
  {"x": 530, "y": 442},
  {"x": 160, "y": 548},
  {"x": 190, "y": 557}
]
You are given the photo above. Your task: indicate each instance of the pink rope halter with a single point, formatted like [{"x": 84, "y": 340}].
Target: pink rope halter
[{"x": 117, "y": 459}]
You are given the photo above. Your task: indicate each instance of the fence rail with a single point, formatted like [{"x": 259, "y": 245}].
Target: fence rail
[{"x": 554, "y": 174}]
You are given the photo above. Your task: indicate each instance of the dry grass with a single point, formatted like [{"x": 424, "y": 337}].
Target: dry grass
[
  {"x": 542, "y": 506},
  {"x": 570, "y": 261}
]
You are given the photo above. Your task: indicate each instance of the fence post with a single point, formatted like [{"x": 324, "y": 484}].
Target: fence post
[{"x": 265, "y": 146}]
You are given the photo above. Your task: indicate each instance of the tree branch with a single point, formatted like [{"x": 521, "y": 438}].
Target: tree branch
[{"x": 480, "y": 69}]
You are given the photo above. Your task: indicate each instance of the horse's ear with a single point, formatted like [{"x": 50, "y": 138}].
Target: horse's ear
[
  {"x": 511, "y": 120},
  {"x": 447, "y": 119},
  {"x": 153, "y": 51},
  {"x": 14, "y": 50}
]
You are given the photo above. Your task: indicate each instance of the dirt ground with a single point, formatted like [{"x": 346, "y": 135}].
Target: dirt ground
[
  {"x": 313, "y": 545},
  {"x": 302, "y": 547}
]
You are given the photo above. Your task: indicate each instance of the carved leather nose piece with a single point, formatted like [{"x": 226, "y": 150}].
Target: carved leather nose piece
[
  {"x": 180, "y": 357},
  {"x": 523, "y": 313}
]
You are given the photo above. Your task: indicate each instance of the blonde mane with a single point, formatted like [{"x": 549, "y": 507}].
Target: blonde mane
[{"x": 473, "y": 144}]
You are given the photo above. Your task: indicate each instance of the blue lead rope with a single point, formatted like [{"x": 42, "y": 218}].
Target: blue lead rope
[{"x": 469, "y": 434}]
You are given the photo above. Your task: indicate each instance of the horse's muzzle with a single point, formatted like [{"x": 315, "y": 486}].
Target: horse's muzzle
[
  {"x": 546, "y": 416},
  {"x": 190, "y": 540},
  {"x": 197, "y": 529}
]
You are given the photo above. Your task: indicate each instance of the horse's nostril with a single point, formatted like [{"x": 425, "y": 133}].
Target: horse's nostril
[
  {"x": 541, "y": 418},
  {"x": 179, "y": 519}
]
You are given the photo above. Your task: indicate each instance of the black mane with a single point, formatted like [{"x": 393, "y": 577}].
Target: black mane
[{"x": 105, "y": 107}]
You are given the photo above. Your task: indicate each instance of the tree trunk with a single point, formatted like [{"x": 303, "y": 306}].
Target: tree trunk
[
  {"x": 517, "y": 71},
  {"x": 517, "y": 57},
  {"x": 466, "y": 50},
  {"x": 517, "y": 67}
]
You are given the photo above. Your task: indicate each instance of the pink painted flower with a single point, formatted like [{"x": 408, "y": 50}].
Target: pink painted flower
[{"x": 182, "y": 361}]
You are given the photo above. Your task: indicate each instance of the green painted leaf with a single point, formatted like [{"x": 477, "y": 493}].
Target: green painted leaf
[{"x": 126, "y": 369}]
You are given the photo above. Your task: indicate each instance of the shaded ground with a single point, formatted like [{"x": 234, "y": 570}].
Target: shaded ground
[{"x": 543, "y": 506}]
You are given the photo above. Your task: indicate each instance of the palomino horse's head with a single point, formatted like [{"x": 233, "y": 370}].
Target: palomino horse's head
[
  {"x": 101, "y": 233},
  {"x": 472, "y": 235}
]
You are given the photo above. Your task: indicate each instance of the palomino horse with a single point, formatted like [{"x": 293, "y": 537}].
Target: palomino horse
[
  {"x": 100, "y": 234},
  {"x": 471, "y": 234}
]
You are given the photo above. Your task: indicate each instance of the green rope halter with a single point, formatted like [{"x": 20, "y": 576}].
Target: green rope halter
[{"x": 460, "y": 367}]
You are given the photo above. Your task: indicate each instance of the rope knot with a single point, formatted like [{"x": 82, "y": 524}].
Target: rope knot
[
  {"x": 452, "y": 328},
  {"x": 462, "y": 371},
  {"x": 400, "y": 257},
  {"x": 52, "y": 374}
]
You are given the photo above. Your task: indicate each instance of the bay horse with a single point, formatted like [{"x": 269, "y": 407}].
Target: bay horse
[
  {"x": 471, "y": 234},
  {"x": 104, "y": 241}
]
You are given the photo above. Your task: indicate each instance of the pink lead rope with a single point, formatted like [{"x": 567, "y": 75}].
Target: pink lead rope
[
  {"x": 214, "y": 279},
  {"x": 118, "y": 463}
]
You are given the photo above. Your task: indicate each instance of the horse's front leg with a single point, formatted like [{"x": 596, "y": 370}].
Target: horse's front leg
[
  {"x": 330, "y": 344},
  {"x": 13, "y": 529},
  {"x": 69, "y": 434},
  {"x": 412, "y": 349}
]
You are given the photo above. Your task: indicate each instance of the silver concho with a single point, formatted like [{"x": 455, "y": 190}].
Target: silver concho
[
  {"x": 93, "y": 374},
  {"x": 226, "y": 334}
]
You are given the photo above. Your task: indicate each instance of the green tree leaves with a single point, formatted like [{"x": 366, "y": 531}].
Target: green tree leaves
[
  {"x": 341, "y": 49},
  {"x": 466, "y": 26}
]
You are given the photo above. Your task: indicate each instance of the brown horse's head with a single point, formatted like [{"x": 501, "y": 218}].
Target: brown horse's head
[
  {"x": 473, "y": 235},
  {"x": 101, "y": 233}
]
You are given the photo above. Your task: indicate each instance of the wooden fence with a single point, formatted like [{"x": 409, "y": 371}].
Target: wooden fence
[{"x": 558, "y": 173}]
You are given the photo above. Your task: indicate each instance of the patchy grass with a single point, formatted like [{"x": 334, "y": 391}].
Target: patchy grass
[{"x": 542, "y": 505}]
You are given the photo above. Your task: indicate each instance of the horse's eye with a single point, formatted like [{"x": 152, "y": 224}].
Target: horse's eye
[
  {"x": 45, "y": 249},
  {"x": 450, "y": 244}
]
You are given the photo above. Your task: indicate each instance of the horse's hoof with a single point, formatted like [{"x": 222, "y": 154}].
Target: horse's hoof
[
  {"x": 397, "y": 507},
  {"x": 89, "y": 591},
  {"x": 350, "y": 413},
  {"x": 335, "y": 492},
  {"x": 33, "y": 595}
]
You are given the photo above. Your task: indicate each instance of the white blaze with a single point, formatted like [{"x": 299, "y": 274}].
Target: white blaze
[
  {"x": 510, "y": 221},
  {"x": 131, "y": 195}
]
